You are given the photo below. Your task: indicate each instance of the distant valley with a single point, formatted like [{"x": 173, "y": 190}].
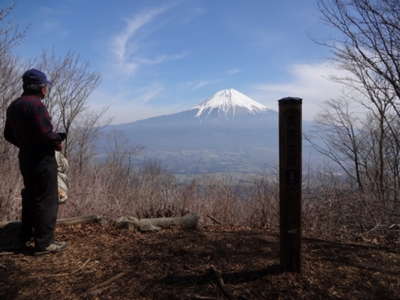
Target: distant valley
[{"x": 229, "y": 132}]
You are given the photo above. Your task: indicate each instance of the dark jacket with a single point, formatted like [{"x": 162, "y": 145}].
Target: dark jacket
[{"x": 28, "y": 126}]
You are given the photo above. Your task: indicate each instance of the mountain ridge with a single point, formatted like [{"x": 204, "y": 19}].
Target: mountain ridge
[
  {"x": 227, "y": 101},
  {"x": 229, "y": 136}
]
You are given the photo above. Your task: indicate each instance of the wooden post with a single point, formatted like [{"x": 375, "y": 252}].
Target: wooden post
[{"x": 290, "y": 177}]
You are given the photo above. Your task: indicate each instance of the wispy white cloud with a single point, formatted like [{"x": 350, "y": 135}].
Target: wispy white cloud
[
  {"x": 314, "y": 83},
  {"x": 125, "y": 47},
  {"x": 149, "y": 93},
  {"x": 120, "y": 41},
  {"x": 125, "y": 108},
  {"x": 160, "y": 59},
  {"x": 129, "y": 106},
  {"x": 198, "y": 84},
  {"x": 231, "y": 72}
]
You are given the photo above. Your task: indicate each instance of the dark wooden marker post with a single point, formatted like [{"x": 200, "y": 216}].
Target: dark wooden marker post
[{"x": 290, "y": 161}]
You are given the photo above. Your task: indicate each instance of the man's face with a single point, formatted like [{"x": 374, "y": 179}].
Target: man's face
[{"x": 45, "y": 91}]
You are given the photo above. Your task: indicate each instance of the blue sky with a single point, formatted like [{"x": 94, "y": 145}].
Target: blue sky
[{"x": 159, "y": 57}]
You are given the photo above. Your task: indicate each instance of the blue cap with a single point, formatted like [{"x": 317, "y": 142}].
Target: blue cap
[{"x": 34, "y": 76}]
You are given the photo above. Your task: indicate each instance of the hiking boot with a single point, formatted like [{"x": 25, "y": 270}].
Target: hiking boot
[
  {"x": 20, "y": 244},
  {"x": 52, "y": 248}
]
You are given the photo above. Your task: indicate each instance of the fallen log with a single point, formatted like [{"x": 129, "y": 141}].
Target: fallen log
[
  {"x": 66, "y": 221},
  {"x": 156, "y": 224},
  {"x": 145, "y": 225},
  {"x": 80, "y": 220}
]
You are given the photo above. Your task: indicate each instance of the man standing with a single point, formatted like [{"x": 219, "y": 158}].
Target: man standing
[{"x": 28, "y": 126}]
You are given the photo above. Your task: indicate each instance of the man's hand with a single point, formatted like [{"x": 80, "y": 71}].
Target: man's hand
[
  {"x": 58, "y": 146},
  {"x": 62, "y": 135}
]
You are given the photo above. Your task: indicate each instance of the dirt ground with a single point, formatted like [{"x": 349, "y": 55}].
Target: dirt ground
[{"x": 104, "y": 262}]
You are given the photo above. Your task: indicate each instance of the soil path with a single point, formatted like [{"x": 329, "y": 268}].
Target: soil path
[{"x": 103, "y": 262}]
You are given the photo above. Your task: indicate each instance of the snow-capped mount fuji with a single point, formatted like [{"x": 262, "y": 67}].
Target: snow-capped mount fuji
[
  {"x": 228, "y": 102},
  {"x": 228, "y": 132}
]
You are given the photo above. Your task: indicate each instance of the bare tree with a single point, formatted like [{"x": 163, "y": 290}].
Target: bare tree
[
  {"x": 368, "y": 47},
  {"x": 83, "y": 138},
  {"x": 10, "y": 87},
  {"x": 10, "y": 36},
  {"x": 370, "y": 44},
  {"x": 72, "y": 83},
  {"x": 338, "y": 137}
]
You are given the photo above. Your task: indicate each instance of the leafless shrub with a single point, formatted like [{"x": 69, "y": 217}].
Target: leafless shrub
[
  {"x": 366, "y": 147},
  {"x": 264, "y": 204},
  {"x": 72, "y": 83},
  {"x": 10, "y": 187}
]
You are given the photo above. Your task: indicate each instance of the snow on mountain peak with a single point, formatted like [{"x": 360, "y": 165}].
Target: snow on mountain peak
[{"x": 227, "y": 101}]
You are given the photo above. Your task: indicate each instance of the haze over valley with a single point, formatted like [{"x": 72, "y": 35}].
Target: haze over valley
[{"x": 228, "y": 132}]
